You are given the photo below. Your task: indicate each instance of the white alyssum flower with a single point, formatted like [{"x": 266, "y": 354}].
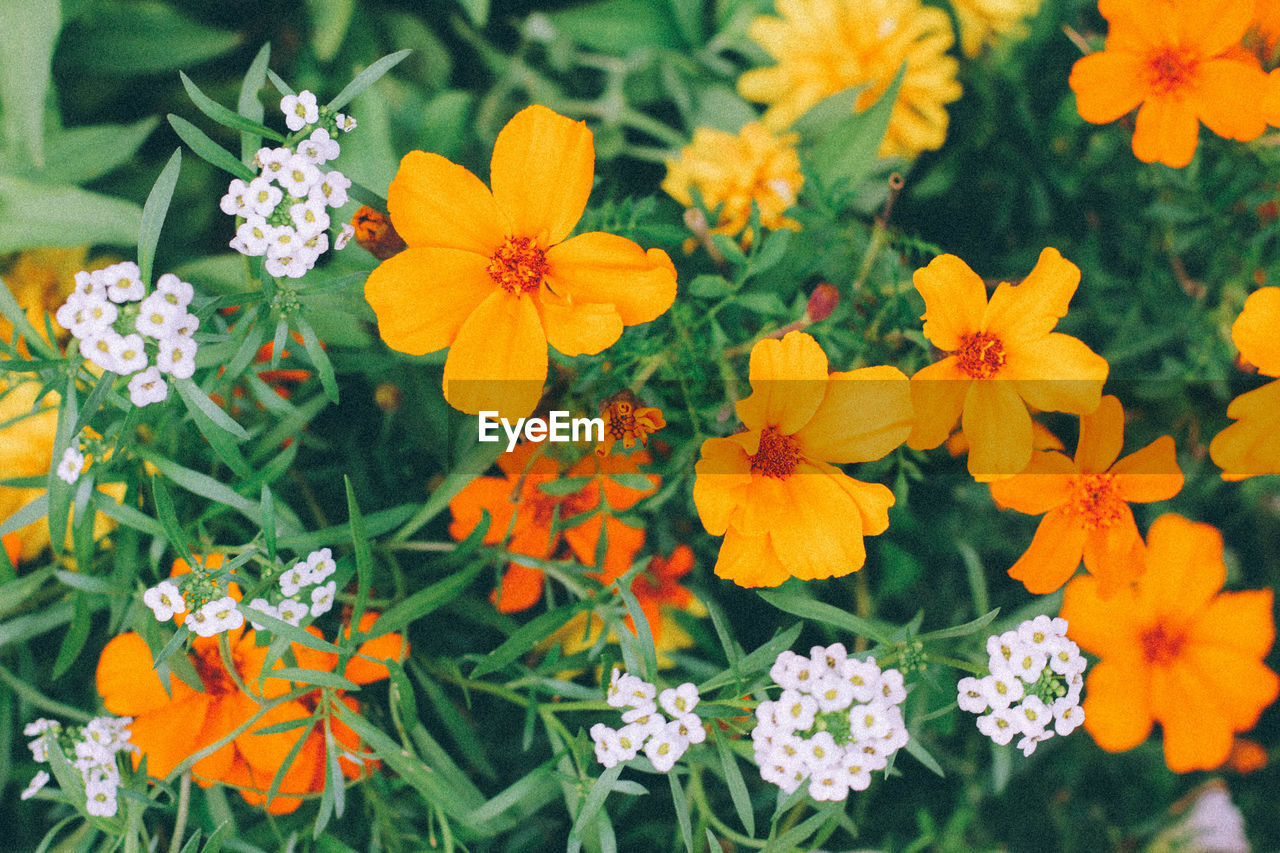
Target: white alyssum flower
[
  {"x": 298, "y": 176},
  {"x": 147, "y": 387},
  {"x": 165, "y": 600},
  {"x": 309, "y": 217},
  {"x": 123, "y": 282},
  {"x": 157, "y": 317},
  {"x": 38, "y": 781},
  {"x": 332, "y": 187},
  {"x": 679, "y": 701},
  {"x": 93, "y": 752},
  {"x": 663, "y": 741},
  {"x": 292, "y": 611},
  {"x": 322, "y": 598},
  {"x": 100, "y": 799},
  {"x": 71, "y": 465},
  {"x": 235, "y": 202},
  {"x": 345, "y": 123},
  {"x": 300, "y": 110},
  {"x": 215, "y": 617},
  {"x": 261, "y": 605},
  {"x": 344, "y": 236},
  {"x": 320, "y": 147},
  {"x": 174, "y": 290},
  {"x": 293, "y": 580},
  {"x": 177, "y": 356},
  {"x": 321, "y": 564},
  {"x": 129, "y": 352}
]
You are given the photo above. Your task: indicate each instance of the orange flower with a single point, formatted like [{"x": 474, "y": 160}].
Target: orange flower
[
  {"x": 1009, "y": 338},
  {"x": 521, "y": 515},
  {"x": 784, "y": 510},
  {"x": 1174, "y": 650},
  {"x": 1182, "y": 61},
  {"x": 491, "y": 275},
  {"x": 658, "y": 588},
  {"x": 626, "y": 420},
  {"x": 171, "y": 725},
  {"x": 1086, "y": 501},
  {"x": 1042, "y": 438},
  {"x": 1249, "y": 447}
]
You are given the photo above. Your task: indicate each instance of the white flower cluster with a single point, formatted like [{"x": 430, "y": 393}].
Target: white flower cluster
[
  {"x": 662, "y": 740},
  {"x": 210, "y": 619},
  {"x": 283, "y": 213},
  {"x": 117, "y": 323},
  {"x": 310, "y": 572},
  {"x": 837, "y": 721},
  {"x": 1034, "y": 686},
  {"x": 94, "y": 747}
]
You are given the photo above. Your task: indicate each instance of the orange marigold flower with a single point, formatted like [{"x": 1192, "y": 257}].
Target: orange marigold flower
[
  {"x": 783, "y": 508},
  {"x": 1182, "y": 62},
  {"x": 1004, "y": 356},
  {"x": 521, "y": 514},
  {"x": 827, "y": 46},
  {"x": 626, "y": 420},
  {"x": 1266, "y": 21},
  {"x": 1042, "y": 438},
  {"x": 1249, "y": 447},
  {"x": 733, "y": 171},
  {"x": 492, "y": 275},
  {"x": 1175, "y": 650},
  {"x": 171, "y": 725},
  {"x": 1086, "y": 501}
]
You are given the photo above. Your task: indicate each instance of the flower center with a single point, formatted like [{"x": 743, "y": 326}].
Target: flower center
[
  {"x": 1161, "y": 647},
  {"x": 981, "y": 355},
  {"x": 1094, "y": 500},
  {"x": 1171, "y": 69},
  {"x": 778, "y": 455},
  {"x": 518, "y": 267}
]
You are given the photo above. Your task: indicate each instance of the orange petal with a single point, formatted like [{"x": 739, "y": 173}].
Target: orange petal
[
  {"x": 938, "y": 392},
  {"x": 1249, "y": 447},
  {"x": 1227, "y": 98},
  {"x": 1104, "y": 627},
  {"x": 1028, "y": 311},
  {"x": 600, "y": 267},
  {"x": 1101, "y": 437},
  {"x": 1058, "y": 373},
  {"x": 1149, "y": 474},
  {"x": 1184, "y": 566},
  {"x": 1167, "y": 131},
  {"x": 521, "y": 588},
  {"x": 423, "y": 296},
  {"x": 788, "y": 382},
  {"x": 1053, "y": 556},
  {"x": 1254, "y": 331},
  {"x": 1241, "y": 686},
  {"x": 1042, "y": 485},
  {"x": 749, "y": 560},
  {"x": 266, "y": 753},
  {"x": 127, "y": 679},
  {"x": 624, "y": 542},
  {"x": 436, "y": 203},
  {"x": 1117, "y": 705},
  {"x": 1241, "y": 622},
  {"x": 816, "y": 532},
  {"x": 1212, "y": 25},
  {"x": 165, "y": 735},
  {"x": 1107, "y": 84},
  {"x": 580, "y": 328},
  {"x": 1197, "y": 736},
  {"x": 541, "y": 173},
  {"x": 872, "y": 499},
  {"x": 498, "y": 362},
  {"x": 387, "y": 647},
  {"x": 226, "y": 712},
  {"x": 491, "y": 494},
  {"x": 721, "y": 475},
  {"x": 864, "y": 415},
  {"x": 998, "y": 426},
  {"x": 1115, "y": 554},
  {"x": 955, "y": 299}
]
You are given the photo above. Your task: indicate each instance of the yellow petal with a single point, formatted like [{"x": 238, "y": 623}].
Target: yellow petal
[
  {"x": 1115, "y": 554},
  {"x": 1213, "y": 26},
  {"x": 1041, "y": 486},
  {"x": 1058, "y": 373},
  {"x": 541, "y": 173},
  {"x": 1150, "y": 474},
  {"x": 1197, "y": 736},
  {"x": 1184, "y": 566},
  {"x": 998, "y": 426},
  {"x": 1227, "y": 98},
  {"x": 1053, "y": 556},
  {"x": 788, "y": 382},
  {"x": 955, "y": 299},
  {"x": 1028, "y": 311},
  {"x": 1166, "y": 131},
  {"x": 749, "y": 561},
  {"x": 1241, "y": 622},
  {"x": 600, "y": 267},
  {"x": 1242, "y": 686},
  {"x": 1256, "y": 332},
  {"x": 434, "y": 202},
  {"x": 721, "y": 474},
  {"x": 1101, "y": 437},
  {"x": 816, "y": 531},
  {"x": 498, "y": 361},
  {"x": 1249, "y": 447},
  {"x": 582, "y": 328},
  {"x": 864, "y": 415},
  {"x": 938, "y": 392},
  {"x": 1104, "y": 627},
  {"x": 423, "y": 296}
]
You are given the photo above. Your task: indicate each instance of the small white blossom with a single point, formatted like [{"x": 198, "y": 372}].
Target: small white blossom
[
  {"x": 298, "y": 176},
  {"x": 235, "y": 202},
  {"x": 292, "y": 611},
  {"x": 322, "y": 598},
  {"x": 300, "y": 110},
  {"x": 272, "y": 160},
  {"x": 130, "y": 353},
  {"x": 263, "y": 196},
  {"x": 690, "y": 727},
  {"x": 321, "y": 564},
  {"x": 177, "y": 356},
  {"x": 344, "y": 236},
  {"x": 100, "y": 799},
  {"x": 174, "y": 290},
  {"x": 1067, "y": 715},
  {"x": 254, "y": 235},
  {"x": 680, "y": 700},
  {"x": 309, "y": 217},
  {"x": 1001, "y": 690},
  {"x": 320, "y": 147},
  {"x": 124, "y": 282},
  {"x": 665, "y": 748},
  {"x": 1000, "y": 725},
  {"x": 970, "y": 697},
  {"x": 293, "y": 580},
  {"x": 71, "y": 465},
  {"x": 37, "y": 782},
  {"x": 157, "y": 317},
  {"x": 262, "y": 606},
  {"x": 332, "y": 187},
  {"x": 217, "y": 616},
  {"x": 147, "y": 387},
  {"x": 165, "y": 600},
  {"x": 345, "y": 123}
]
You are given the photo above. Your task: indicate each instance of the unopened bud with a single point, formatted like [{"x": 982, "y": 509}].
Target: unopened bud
[
  {"x": 824, "y": 299},
  {"x": 388, "y": 397}
]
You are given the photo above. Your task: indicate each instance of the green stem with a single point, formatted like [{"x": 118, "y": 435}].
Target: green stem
[
  {"x": 184, "y": 805},
  {"x": 956, "y": 663}
]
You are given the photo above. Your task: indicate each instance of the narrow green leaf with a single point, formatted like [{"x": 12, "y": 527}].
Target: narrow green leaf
[
  {"x": 475, "y": 461},
  {"x": 268, "y": 503},
  {"x": 90, "y": 583},
  {"x": 526, "y": 636},
  {"x": 595, "y": 799},
  {"x": 737, "y": 785},
  {"x": 168, "y": 518},
  {"x": 292, "y": 633},
  {"x": 477, "y": 11},
  {"x": 971, "y": 627},
  {"x": 367, "y": 78},
  {"x": 224, "y": 116},
  {"x": 127, "y": 515},
  {"x": 732, "y": 652},
  {"x": 208, "y": 150},
  {"x": 531, "y": 792},
  {"x": 249, "y": 106},
  {"x": 73, "y": 641},
  {"x": 314, "y": 676},
  {"x": 319, "y": 358},
  {"x": 28, "y": 31},
  {"x": 681, "y": 805},
  {"x": 15, "y": 315},
  {"x": 424, "y": 601},
  {"x": 61, "y": 492},
  {"x": 222, "y": 443},
  {"x": 201, "y": 484},
  {"x": 364, "y": 555},
  {"x": 197, "y": 399},
  {"x": 278, "y": 81},
  {"x": 77, "y": 155},
  {"x": 154, "y": 212},
  {"x": 922, "y": 755},
  {"x": 807, "y": 608}
]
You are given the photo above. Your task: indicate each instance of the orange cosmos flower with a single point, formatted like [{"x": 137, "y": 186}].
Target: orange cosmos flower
[
  {"x": 1174, "y": 650},
  {"x": 171, "y": 725},
  {"x": 1182, "y": 61},
  {"x": 1086, "y": 501},
  {"x": 1004, "y": 357},
  {"x": 783, "y": 508},
  {"x": 626, "y": 420},
  {"x": 492, "y": 275},
  {"x": 521, "y": 514},
  {"x": 1249, "y": 446}
]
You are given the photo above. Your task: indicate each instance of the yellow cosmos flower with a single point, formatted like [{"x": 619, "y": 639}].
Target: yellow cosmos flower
[
  {"x": 1249, "y": 446},
  {"x": 495, "y": 276},
  {"x": 983, "y": 22},
  {"x": 826, "y": 46},
  {"x": 783, "y": 508},
  {"x": 732, "y": 171}
]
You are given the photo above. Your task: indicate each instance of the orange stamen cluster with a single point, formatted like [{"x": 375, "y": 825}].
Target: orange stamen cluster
[
  {"x": 1094, "y": 500},
  {"x": 981, "y": 355},
  {"x": 778, "y": 455},
  {"x": 1171, "y": 69},
  {"x": 519, "y": 266},
  {"x": 1160, "y": 647}
]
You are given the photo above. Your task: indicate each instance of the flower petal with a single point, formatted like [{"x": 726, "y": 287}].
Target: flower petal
[
  {"x": 938, "y": 392},
  {"x": 1166, "y": 131},
  {"x": 521, "y": 589},
  {"x": 541, "y": 173},
  {"x": 491, "y": 494},
  {"x": 1028, "y": 311},
  {"x": 1248, "y": 447},
  {"x": 998, "y": 426},
  {"x": 1212, "y": 26},
  {"x": 226, "y": 713},
  {"x": 817, "y": 531},
  {"x": 788, "y": 382},
  {"x": 127, "y": 679},
  {"x": 435, "y": 202},
  {"x": 1242, "y": 686},
  {"x": 600, "y": 267},
  {"x": 164, "y": 735},
  {"x": 1101, "y": 437},
  {"x": 423, "y": 296},
  {"x": 1041, "y": 486},
  {"x": 1107, "y": 84},
  {"x": 1184, "y": 566},
  {"x": 1053, "y": 556},
  {"x": 864, "y": 415},
  {"x": 749, "y": 560},
  {"x": 580, "y": 328},
  {"x": 1058, "y": 373},
  {"x": 498, "y": 362},
  {"x": 955, "y": 299},
  {"x": 1227, "y": 98},
  {"x": 1149, "y": 474},
  {"x": 1108, "y": 627},
  {"x": 1197, "y": 736},
  {"x": 1239, "y": 621},
  {"x": 721, "y": 474},
  {"x": 1115, "y": 554},
  {"x": 1117, "y": 704},
  {"x": 1254, "y": 331}
]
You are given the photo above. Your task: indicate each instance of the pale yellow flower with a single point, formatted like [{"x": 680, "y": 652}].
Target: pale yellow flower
[
  {"x": 731, "y": 171},
  {"x": 983, "y": 22},
  {"x": 41, "y": 280},
  {"x": 826, "y": 46}
]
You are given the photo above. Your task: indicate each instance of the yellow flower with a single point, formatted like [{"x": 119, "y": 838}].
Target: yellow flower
[
  {"x": 40, "y": 280},
  {"x": 732, "y": 171},
  {"x": 1248, "y": 447},
  {"x": 826, "y": 46},
  {"x": 982, "y": 22}
]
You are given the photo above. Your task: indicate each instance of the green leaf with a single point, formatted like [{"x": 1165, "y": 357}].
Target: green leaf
[
  {"x": 760, "y": 659},
  {"x": 681, "y": 805},
  {"x": 707, "y": 286},
  {"x": 319, "y": 358},
  {"x": 595, "y": 799},
  {"x": 842, "y": 146},
  {"x": 201, "y": 484},
  {"x": 126, "y": 515},
  {"x": 73, "y": 641},
  {"x": 33, "y": 511},
  {"x": 153, "y": 213},
  {"x": 737, "y": 785},
  {"x": 248, "y": 105},
  {"x": 168, "y": 517},
  {"x": 77, "y": 155},
  {"x": 317, "y": 677},
  {"x": 139, "y": 37},
  {"x": 36, "y": 214},
  {"x": 476, "y": 460},
  {"x": 971, "y": 627},
  {"x": 198, "y": 401},
  {"x": 807, "y": 608},
  {"x": 28, "y": 31},
  {"x": 424, "y": 601},
  {"x": 922, "y": 755},
  {"x": 364, "y": 555},
  {"x": 224, "y": 116},
  {"x": 526, "y": 636},
  {"x": 208, "y": 150},
  {"x": 60, "y": 492},
  {"x": 477, "y": 11},
  {"x": 13, "y": 312},
  {"x": 618, "y": 26},
  {"x": 329, "y": 22},
  {"x": 367, "y": 78}
]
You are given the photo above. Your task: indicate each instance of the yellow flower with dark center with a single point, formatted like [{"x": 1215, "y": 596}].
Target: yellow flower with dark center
[
  {"x": 731, "y": 171},
  {"x": 983, "y": 22},
  {"x": 827, "y": 46}
]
